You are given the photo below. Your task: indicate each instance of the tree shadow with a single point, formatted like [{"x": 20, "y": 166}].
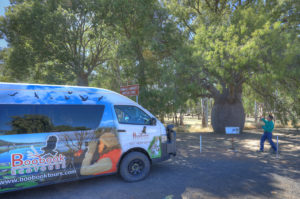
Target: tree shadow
[{"x": 219, "y": 172}]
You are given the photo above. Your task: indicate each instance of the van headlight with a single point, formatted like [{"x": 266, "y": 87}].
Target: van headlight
[{"x": 164, "y": 138}]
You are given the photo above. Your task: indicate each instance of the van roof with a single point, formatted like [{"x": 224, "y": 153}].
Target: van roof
[{"x": 22, "y": 93}]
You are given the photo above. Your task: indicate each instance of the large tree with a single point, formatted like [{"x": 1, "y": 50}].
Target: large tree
[{"x": 234, "y": 43}]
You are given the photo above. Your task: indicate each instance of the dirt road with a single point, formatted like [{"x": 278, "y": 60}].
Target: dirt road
[{"x": 217, "y": 172}]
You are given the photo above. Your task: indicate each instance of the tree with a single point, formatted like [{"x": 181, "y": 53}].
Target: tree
[
  {"x": 4, "y": 76},
  {"x": 147, "y": 44},
  {"x": 233, "y": 42},
  {"x": 54, "y": 35},
  {"x": 31, "y": 124}
]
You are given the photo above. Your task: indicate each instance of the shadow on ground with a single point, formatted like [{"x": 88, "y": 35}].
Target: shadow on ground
[{"x": 217, "y": 172}]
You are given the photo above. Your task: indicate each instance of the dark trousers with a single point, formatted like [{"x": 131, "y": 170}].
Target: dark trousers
[{"x": 267, "y": 135}]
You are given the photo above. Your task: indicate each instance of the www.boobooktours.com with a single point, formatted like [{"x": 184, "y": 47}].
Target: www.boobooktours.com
[{"x": 36, "y": 177}]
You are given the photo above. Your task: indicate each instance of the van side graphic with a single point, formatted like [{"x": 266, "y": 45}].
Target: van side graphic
[{"x": 51, "y": 134}]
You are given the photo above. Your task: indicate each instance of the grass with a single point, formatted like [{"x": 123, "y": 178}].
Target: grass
[{"x": 192, "y": 124}]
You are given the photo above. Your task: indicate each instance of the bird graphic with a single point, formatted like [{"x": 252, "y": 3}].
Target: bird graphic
[
  {"x": 66, "y": 97},
  {"x": 13, "y": 94},
  {"x": 70, "y": 92},
  {"x": 100, "y": 98},
  {"x": 83, "y": 98},
  {"x": 36, "y": 95}
]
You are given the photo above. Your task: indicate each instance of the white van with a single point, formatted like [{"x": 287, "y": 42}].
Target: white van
[{"x": 51, "y": 134}]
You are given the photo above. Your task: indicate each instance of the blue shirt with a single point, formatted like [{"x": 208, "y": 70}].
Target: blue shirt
[{"x": 269, "y": 125}]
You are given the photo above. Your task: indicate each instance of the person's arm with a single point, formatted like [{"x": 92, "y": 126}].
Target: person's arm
[
  {"x": 100, "y": 166},
  {"x": 264, "y": 120}
]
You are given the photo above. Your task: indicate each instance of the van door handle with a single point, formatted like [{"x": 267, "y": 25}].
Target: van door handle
[{"x": 121, "y": 130}]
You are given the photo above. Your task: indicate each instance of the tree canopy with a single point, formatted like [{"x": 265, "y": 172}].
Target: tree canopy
[{"x": 178, "y": 51}]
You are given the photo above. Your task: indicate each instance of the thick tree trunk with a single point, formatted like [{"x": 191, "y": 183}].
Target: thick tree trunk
[{"x": 227, "y": 112}]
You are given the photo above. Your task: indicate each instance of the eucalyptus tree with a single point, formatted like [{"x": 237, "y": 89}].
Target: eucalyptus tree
[
  {"x": 147, "y": 41},
  {"x": 63, "y": 35}
]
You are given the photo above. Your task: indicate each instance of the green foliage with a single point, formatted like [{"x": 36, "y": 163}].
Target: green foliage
[
  {"x": 244, "y": 42},
  {"x": 177, "y": 51},
  {"x": 38, "y": 124},
  {"x": 31, "y": 124},
  {"x": 63, "y": 35}
]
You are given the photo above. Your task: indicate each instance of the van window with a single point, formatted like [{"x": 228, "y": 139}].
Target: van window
[
  {"x": 20, "y": 119},
  {"x": 131, "y": 115}
]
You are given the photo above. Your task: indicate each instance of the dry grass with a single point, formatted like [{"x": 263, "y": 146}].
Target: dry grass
[{"x": 192, "y": 124}]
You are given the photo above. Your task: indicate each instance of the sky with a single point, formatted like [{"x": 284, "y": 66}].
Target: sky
[{"x": 3, "y": 4}]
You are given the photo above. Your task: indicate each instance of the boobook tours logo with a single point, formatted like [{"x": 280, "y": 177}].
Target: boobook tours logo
[
  {"x": 142, "y": 135},
  {"x": 48, "y": 160}
]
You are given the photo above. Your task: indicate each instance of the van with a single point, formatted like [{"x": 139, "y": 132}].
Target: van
[{"x": 51, "y": 134}]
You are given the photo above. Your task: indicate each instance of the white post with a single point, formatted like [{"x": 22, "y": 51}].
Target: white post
[
  {"x": 200, "y": 143},
  {"x": 137, "y": 99},
  {"x": 277, "y": 149}
]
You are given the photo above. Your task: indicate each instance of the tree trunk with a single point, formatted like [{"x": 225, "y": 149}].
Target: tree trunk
[
  {"x": 227, "y": 113},
  {"x": 117, "y": 81},
  {"x": 162, "y": 118},
  {"x": 82, "y": 80},
  {"x": 255, "y": 112},
  {"x": 181, "y": 118},
  {"x": 141, "y": 76},
  {"x": 204, "y": 112},
  {"x": 199, "y": 110},
  {"x": 176, "y": 121}
]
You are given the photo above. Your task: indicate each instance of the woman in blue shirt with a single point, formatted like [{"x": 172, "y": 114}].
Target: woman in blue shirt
[{"x": 268, "y": 128}]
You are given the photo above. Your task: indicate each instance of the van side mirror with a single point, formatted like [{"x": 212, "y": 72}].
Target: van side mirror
[{"x": 153, "y": 121}]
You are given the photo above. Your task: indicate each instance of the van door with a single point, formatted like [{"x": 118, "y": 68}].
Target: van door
[{"x": 137, "y": 129}]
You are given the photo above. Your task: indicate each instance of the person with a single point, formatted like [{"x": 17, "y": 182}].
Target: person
[
  {"x": 268, "y": 128},
  {"x": 102, "y": 156}
]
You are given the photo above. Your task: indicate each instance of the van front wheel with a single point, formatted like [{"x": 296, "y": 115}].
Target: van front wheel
[{"x": 134, "y": 167}]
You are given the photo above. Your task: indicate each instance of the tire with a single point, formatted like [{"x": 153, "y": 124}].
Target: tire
[{"x": 135, "y": 167}]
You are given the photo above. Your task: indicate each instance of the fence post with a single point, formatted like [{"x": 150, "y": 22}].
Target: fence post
[
  {"x": 277, "y": 156},
  {"x": 200, "y": 143}
]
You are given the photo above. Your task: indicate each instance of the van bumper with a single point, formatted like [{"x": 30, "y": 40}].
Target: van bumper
[{"x": 168, "y": 149}]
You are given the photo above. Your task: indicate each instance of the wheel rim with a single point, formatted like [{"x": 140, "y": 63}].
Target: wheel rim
[{"x": 136, "y": 167}]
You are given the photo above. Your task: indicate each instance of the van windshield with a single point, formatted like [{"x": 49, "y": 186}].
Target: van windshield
[{"x": 20, "y": 119}]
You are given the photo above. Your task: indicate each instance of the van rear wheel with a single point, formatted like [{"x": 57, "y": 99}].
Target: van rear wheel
[{"x": 134, "y": 167}]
